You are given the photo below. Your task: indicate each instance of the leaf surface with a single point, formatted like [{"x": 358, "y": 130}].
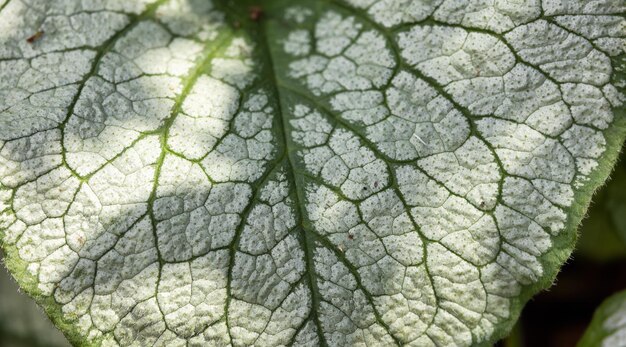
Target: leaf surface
[
  {"x": 608, "y": 326},
  {"x": 22, "y": 322},
  {"x": 305, "y": 173}
]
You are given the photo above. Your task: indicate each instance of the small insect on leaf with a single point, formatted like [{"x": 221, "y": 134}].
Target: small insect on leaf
[
  {"x": 36, "y": 36},
  {"x": 256, "y": 12},
  {"x": 350, "y": 237}
]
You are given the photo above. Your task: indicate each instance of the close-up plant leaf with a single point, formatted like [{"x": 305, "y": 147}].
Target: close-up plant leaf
[
  {"x": 301, "y": 172},
  {"x": 22, "y": 322},
  {"x": 608, "y": 327}
]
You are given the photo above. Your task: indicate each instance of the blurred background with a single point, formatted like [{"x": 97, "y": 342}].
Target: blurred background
[{"x": 555, "y": 318}]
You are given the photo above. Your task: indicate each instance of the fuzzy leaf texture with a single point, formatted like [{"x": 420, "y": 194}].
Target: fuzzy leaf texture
[{"x": 301, "y": 173}]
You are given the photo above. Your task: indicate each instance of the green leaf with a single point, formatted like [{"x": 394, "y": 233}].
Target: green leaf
[
  {"x": 603, "y": 232},
  {"x": 608, "y": 326},
  {"x": 308, "y": 172},
  {"x": 22, "y": 322}
]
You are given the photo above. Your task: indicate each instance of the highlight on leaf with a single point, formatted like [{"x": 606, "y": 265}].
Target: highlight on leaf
[{"x": 305, "y": 172}]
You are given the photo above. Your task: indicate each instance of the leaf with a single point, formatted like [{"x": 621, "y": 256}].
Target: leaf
[
  {"x": 307, "y": 172},
  {"x": 608, "y": 326},
  {"x": 603, "y": 232},
  {"x": 22, "y": 322}
]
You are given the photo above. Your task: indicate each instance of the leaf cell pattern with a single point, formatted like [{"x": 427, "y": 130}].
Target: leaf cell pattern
[{"x": 337, "y": 173}]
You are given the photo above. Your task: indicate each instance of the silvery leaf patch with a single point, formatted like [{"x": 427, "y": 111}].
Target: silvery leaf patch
[{"x": 301, "y": 173}]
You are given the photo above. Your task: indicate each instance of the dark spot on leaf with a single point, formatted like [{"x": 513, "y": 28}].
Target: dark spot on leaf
[{"x": 36, "y": 36}]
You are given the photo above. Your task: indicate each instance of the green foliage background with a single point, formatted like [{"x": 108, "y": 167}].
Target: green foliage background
[{"x": 603, "y": 233}]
